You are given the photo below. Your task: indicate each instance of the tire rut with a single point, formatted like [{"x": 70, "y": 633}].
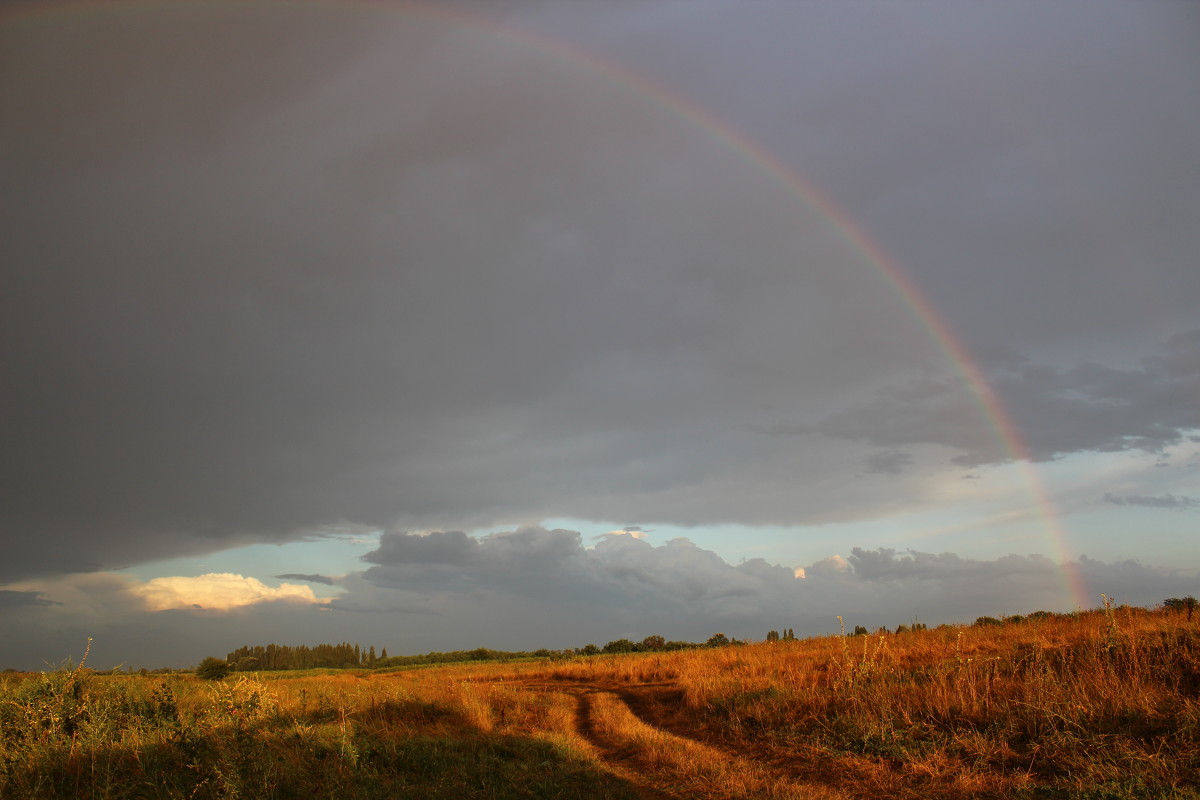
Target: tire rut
[
  {"x": 653, "y": 706},
  {"x": 622, "y": 760}
]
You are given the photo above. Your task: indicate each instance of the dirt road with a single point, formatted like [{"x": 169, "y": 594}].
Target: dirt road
[{"x": 641, "y": 734}]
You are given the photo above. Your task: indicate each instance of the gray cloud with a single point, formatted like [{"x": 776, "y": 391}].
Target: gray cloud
[
  {"x": 291, "y": 576},
  {"x": 1056, "y": 411},
  {"x": 888, "y": 463},
  {"x": 681, "y": 587},
  {"x": 366, "y": 266},
  {"x": 1168, "y": 500},
  {"x": 13, "y": 599},
  {"x": 451, "y": 547},
  {"x": 533, "y": 587}
]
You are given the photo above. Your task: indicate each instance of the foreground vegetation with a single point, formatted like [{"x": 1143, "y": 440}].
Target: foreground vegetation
[{"x": 1101, "y": 704}]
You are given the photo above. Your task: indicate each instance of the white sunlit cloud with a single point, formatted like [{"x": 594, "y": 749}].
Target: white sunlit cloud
[
  {"x": 221, "y": 591},
  {"x": 634, "y": 531}
]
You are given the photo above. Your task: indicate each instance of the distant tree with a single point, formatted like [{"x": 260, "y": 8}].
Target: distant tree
[
  {"x": 860, "y": 630},
  {"x": 1015, "y": 619},
  {"x": 384, "y": 653},
  {"x": 1187, "y": 604},
  {"x": 620, "y": 646},
  {"x": 717, "y": 640},
  {"x": 371, "y": 657},
  {"x": 772, "y": 636},
  {"x": 589, "y": 650},
  {"x": 543, "y": 653},
  {"x": 789, "y": 635},
  {"x": 212, "y": 669},
  {"x": 654, "y": 643},
  {"x": 902, "y": 629},
  {"x": 984, "y": 621}
]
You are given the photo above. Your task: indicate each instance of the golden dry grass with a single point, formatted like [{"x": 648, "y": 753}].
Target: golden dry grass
[{"x": 1101, "y": 704}]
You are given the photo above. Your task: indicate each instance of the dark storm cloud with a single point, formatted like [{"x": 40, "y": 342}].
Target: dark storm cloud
[
  {"x": 499, "y": 288},
  {"x": 1168, "y": 501},
  {"x": 1024, "y": 162},
  {"x": 358, "y": 265},
  {"x": 1056, "y": 410}
]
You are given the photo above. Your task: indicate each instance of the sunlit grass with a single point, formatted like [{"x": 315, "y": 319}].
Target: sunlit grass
[{"x": 1102, "y": 704}]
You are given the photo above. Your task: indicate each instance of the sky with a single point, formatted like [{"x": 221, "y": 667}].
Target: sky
[{"x": 520, "y": 324}]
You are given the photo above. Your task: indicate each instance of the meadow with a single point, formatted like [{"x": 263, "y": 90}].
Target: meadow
[{"x": 1096, "y": 704}]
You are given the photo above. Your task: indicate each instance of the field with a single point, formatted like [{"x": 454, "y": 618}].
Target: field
[{"x": 1100, "y": 704}]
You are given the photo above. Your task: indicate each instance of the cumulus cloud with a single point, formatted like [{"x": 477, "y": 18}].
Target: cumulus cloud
[
  {"x": 555, "y": 564},
  {"x": 533, "y": 587},
  {"x": 624, "y": 586},
  {"x": 832, "y": 565},
  {"x": 449, "y": 547},
  {"x": 217, "y": 591},
  {"x": 1168, "y": 500},
  {"x": 629, "y": 530}
]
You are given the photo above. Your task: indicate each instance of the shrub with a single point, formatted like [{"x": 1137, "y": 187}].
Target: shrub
[
  {"x": 654, "y": 643},
  {"x": 1187, "y": 604},
  {"x": 212, "y": 669}
]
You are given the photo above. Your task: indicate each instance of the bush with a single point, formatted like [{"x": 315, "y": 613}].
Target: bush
[
  {"x": 654, "y": 643},
  {"x": 212, "y": 669},
  {"x": 1187, "y": 604}
]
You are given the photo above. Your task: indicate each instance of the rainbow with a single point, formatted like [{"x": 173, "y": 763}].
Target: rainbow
[{"x": 991, "y": 409}]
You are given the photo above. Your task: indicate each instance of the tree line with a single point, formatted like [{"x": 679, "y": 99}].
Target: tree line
[
  {"x": 328, "y": 656},
  {"x": 352, "y": 656},
  {"x": 260, "y": 658}
]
